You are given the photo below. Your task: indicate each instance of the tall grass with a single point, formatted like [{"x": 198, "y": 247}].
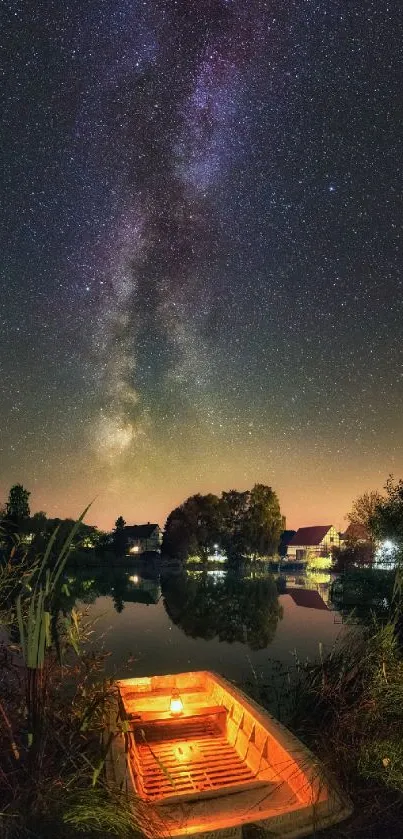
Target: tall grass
[
  {"x": 348, "y": 708},
  {"x": 54, "y": 708}
]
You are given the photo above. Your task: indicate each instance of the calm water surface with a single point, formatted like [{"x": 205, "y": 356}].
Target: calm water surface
[{"x": 235, "y": 625}]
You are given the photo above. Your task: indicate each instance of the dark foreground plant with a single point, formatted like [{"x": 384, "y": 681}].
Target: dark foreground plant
[
  {"x": 348, "y": 708},
  {"x": 350, "y": 712},
  {"x": 54, "y": 710}
]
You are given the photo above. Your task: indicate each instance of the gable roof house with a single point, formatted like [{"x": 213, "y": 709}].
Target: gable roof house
[
  {"x": 142, "y": 538},
  {"x": 356, "y": 534},
  {"x": 317, "y": 540}
]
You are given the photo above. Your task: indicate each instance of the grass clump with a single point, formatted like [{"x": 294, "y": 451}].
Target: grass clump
[{"x": 349, "y": 711}]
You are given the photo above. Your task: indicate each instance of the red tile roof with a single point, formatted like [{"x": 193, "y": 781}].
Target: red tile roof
[
  {"x": 307, "y": 598},
  {"x": 310, "y": 535}
]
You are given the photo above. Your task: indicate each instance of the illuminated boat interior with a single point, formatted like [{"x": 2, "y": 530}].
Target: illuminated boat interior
[{"x": 194, "y": 736}]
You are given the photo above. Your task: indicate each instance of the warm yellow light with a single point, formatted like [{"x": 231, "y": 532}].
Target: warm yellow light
[
  {"x": 135, "y": 549},
  {"x": 176, "y": 704}
]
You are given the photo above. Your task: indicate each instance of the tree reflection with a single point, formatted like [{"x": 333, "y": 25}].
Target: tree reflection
[
  {"x": 231, "y": 609},
  {"x": 80, "y": 587}
]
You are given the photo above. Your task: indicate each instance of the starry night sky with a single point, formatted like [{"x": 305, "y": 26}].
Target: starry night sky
[{"x": 201, "y": 252}]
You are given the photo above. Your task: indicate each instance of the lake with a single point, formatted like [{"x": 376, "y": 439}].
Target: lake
[{"x": 235, "y": 624}]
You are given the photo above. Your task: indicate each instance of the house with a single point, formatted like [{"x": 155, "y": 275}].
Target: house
[
  {"x": 307, "y": 598},
  {"x": 355, "y": 534},
  {"x": 317, "y": 540},
  {"x": 142, "y": 538},
  {"x": 285, "y": 539}
]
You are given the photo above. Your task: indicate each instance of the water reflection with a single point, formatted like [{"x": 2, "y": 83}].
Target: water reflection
[
  {"x": 215, "y": 604},
  {"x": 121, "y": 584},
  {"x": 233, "y": 606},
  {"x": 163, "y": 619}
]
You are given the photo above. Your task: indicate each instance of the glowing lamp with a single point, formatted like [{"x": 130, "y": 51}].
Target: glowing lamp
[{"x": 176, "y": 704}]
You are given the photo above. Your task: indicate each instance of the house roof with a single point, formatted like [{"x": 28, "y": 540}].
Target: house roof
[
  {"x": 307, "y": 598},
  {"x": 140, "y": 531},
  {"x": 310, "y": 535},
  {"x": 286, "y": 536},
  {"x": 357, "y": 532}
]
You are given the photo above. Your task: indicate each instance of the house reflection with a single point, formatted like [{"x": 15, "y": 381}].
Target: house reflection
[{"x": 308, "y": 599}]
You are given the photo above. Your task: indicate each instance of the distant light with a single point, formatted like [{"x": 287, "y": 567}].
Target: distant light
[
  {"x": 135, "y": 549},
  {"x": 217, "y": 573},
  {"x": 216, "y": 547},
  {"x": 134, "y": 579},
  {"x": 388, "y": 546}
]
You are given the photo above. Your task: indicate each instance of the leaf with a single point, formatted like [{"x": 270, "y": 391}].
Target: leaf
[
  {"x": 157, "y": 760},
  {"x": 48, "y": 636},
  {"x": 34, "y": 633},
  {"x": 47, "y": 553},
  {"x": 97, "y": 771},
  {"x": 21, "y": 629},
  {"x": 62, "y": 558}
]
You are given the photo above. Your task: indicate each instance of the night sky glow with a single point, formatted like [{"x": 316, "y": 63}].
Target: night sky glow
[{"x": 201, "y": 252}]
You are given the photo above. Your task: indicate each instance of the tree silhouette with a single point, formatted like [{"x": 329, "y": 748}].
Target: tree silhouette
[
  {"x": 17, "y": 508},
  {"x": 119, "y": 537}
]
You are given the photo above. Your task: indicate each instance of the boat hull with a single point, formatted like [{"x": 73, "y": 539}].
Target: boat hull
[{"x": 284, "y": 790}]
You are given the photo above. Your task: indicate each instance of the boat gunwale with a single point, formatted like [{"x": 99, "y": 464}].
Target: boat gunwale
[{"x": 340, "y": 806}]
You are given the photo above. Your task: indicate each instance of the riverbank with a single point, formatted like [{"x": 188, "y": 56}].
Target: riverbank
[{"x": 347, "y": 707}]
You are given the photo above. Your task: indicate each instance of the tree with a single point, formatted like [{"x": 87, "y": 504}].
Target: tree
[
  {"x": 119, "y": 537},
  {"x": 355, "y": 555},
  {"x": 194, "y": 527},
  {"x": 363, "y": 511},
  {"x": 264, "y": 522},
  {"x": 242, "y": 523},
  {"x": 17, "y": 504},
  {"x": 177, "y": 536},
  {"x": 234, "y": 509},
  {"x": 38, "y": 523},
  {"x": 387, "y": 518}
]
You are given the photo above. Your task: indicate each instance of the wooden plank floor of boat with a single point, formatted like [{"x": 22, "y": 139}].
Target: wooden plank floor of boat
[{"x": 186, "y": 759}]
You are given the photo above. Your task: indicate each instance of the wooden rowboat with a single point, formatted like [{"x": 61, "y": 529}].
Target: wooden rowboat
[{"x": 206, "y": 759}]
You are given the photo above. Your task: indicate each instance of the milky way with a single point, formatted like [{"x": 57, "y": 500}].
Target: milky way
[
  {"x": 180, "y": 106},
  {"x": 201, "y": 259}
]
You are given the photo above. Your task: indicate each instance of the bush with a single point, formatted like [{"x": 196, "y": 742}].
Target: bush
[{"x": 349, "y": 710}]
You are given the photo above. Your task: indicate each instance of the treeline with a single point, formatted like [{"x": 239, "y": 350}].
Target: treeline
[
  {"x": 375, "y": 529},
  {"x": 238, "y": 524},
  {"x": 31, "y": 533}
]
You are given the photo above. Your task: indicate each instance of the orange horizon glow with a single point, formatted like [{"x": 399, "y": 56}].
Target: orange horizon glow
[{"x": 304, "y": 502}]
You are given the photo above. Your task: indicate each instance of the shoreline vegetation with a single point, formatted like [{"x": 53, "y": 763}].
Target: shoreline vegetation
[{"x": 55, "y": 703}]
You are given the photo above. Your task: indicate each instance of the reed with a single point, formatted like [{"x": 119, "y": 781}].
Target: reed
[
  {"x": 348, "y": 708},
  {"x": 54, "y": 707}
]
